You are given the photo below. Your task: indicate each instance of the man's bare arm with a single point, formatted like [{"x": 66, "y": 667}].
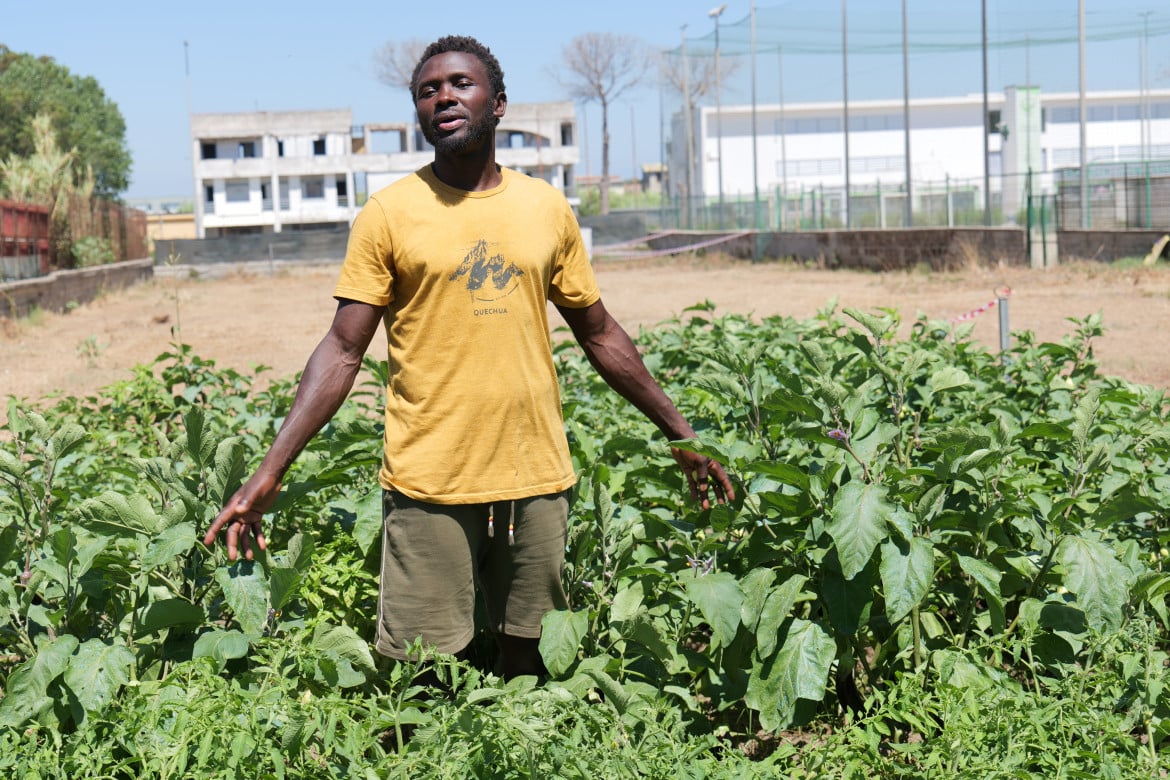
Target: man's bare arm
[
  {"x": 613, "y": 354},
  {"x": 326, "y": 381}
]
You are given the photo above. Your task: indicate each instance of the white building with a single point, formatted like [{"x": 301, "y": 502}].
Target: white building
[
  {"x": 1031, "y": 131},
  {"x": 318, "y": 165}
]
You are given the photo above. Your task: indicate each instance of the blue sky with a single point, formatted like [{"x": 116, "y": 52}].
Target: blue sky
[{"x": 306, "y": 55}]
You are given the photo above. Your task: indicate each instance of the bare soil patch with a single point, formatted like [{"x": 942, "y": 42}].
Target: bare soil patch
[{"x": 276, "y": 319}]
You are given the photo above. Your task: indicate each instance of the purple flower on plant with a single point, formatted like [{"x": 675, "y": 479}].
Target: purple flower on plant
[{"x": 838, "y": 434}]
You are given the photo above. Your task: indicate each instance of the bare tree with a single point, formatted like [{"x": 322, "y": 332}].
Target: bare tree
[
  {"x": 602, "y": 67},
  {"x": 394, "y": 62},
  {"x": 693, "y": 78},
  {"x": 700, "y": 79}
]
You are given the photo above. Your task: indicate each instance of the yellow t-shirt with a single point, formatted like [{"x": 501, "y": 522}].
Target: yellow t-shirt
[{"x": 473, "y": 411}]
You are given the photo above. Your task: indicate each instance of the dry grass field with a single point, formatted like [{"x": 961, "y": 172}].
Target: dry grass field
[{"x": 245, "y": 319}]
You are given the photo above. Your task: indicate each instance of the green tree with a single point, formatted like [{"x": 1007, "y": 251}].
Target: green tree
[{"x": 85, "y": 120}]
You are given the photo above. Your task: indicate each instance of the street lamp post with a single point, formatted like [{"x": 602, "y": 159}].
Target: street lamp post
[
  {"x": 690, "y": 143},
  {"x": 715, "y": 13}
]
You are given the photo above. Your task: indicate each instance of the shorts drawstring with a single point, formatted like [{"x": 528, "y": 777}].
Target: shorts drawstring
[{"x": 511, "y": 523}]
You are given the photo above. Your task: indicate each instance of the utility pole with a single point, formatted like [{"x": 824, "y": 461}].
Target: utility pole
[
  {"x": 986, "y": 131},
  {"x": 909, "y": 221},
  {"x": 755, "y": 145},
  {"x": 690, "y": 131},
  {"x": 715, "y": 13},
  {"x": 1144, "y": 85},
  {"x": 1081, "y": 107},
  {"x": 845, "y": 104}
]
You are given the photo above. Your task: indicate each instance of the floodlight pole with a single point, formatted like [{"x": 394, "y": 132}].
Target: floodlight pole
[
  {"x": 689, "y": 152},
  {"x": 1081, "y": 107},
  {"x": 845, "y": 103},
  {"x": 909, "y": 221},
  {"x": 1144, "y": 85},
  {"x": 715, "y": 13},
  {"x": 755, "y": 150},
  {"x": 986, "y": 131}
]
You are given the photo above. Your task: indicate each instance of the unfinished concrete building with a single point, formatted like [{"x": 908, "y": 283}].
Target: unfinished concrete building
[{"x": 270, "y": 171}]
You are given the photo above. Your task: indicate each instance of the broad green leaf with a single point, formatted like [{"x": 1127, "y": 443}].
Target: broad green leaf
[
  {"x": 1099, "y": 580},
  {"x": 11, "y": 465},
  {"x": 229, "y": 469},
  {"x": 1046, "y": 430},
  {"x": 64, "y": 439},
  {"x": 860, "y": 518},
  {"x": 719, "y": 598},
  {"x": 907, "y": 572},
  {"x": 367, "y": 526},
  {"x": 777, "y": 607},
  {"x": 246, "y": 592},
  {"x": 986, "y": 576},
  {"x": 947, "y": 378},
  {"x": 798, "y": 671},
  {"x": 786, "y": 473},
  {"x": 169, "y": 612},
  {"x": 343, "y": 642},
  {"x": 645, "y": 631},
  {"x": 26, "y": 691},
  {"x": 114, "y": 513},
  {"x": 627, "y": 602},
  {"x": 1124, "y": 506},
  {"x": 847, "y": 602},
  {"x": 615, "y": 695},
  {"x": 169, "y": 545},
  {"x": 484, "y": 694},
  {"x": 200, "y": 444},
  {"x": 221, "y": 645},
  {"x": 561, "y": 633},
  {"x": 755, "y": 586},
  {"x": 282, "y": 585},
  {"x": 97, "y": 672}
]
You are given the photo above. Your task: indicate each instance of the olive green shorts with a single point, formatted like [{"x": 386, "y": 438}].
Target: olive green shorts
[{"x": 434, "y": 557}]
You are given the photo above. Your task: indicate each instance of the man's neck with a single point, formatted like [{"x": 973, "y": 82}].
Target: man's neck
[{"x": 472, "y": 172}]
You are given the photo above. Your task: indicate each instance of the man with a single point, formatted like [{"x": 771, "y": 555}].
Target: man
[{"x": 459, "y": 259}]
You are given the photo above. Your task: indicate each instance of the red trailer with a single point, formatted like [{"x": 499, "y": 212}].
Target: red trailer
[{"x": 24, "y": 240}]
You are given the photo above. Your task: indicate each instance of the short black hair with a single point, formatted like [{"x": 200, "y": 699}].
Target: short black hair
[{"x": 467, "y": 45}]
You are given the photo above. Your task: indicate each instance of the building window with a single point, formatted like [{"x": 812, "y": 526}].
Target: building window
[
  {"x": 312, "y": 187},
  {"x": 209, "y": 193},
  {"x": 342, "y": 192},
  {"x": 280, "y": 147},
  {"x": 1129, "y": 112},
  {"x": 207, "y": 151},
  {"x": 246, "y": 149},
  {"x": 994, "y": 121},
  {"x": 265, "y": 197},
  {"x": 878, "y": 164},
  {"x": 1100, "y": 113},
  {"x": 1063, "y": 114},
  {"x": 1160, "y": 111},
  {"x": 236, "y": 191},
  {"x": 318, "y": 147},
  {"x": 566, "y": 134},
  {"x": 823, "y": 167},
  {"x": 862, "y": 122}
]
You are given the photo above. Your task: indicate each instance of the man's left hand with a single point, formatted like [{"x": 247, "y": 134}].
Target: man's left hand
[{"x": 702, "y": 474}]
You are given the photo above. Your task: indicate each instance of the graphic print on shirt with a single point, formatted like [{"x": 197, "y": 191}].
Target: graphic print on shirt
[{"x": 489, "y": 278}]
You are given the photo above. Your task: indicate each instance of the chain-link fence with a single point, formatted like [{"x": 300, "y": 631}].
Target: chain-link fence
[{"x": 768, "y": 120}]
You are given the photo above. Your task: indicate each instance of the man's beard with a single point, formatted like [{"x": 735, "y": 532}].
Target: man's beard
[{"x": 475, "y": 133}]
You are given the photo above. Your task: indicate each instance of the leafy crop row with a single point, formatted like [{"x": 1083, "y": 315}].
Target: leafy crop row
[{"x": 935, "y": 551}]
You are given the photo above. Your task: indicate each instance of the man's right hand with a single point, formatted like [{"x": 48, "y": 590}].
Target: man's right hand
[{"x": 241, "y": 515}]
